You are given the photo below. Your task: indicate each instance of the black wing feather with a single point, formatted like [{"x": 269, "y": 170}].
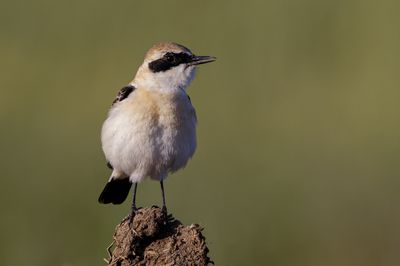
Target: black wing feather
[{"x": 124, "y": 93}]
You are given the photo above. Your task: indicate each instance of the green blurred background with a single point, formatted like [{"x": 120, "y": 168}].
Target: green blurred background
[{"x": 298, "y": 137}]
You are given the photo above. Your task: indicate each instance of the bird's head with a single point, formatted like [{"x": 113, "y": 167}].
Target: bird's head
[{"x": 168, "y": 66}]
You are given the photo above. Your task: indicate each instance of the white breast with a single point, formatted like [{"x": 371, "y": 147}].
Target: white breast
[{"x": 150, "y": 134}]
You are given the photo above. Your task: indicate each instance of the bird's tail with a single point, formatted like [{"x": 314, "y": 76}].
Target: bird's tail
[{"x": 115, "y": 191}]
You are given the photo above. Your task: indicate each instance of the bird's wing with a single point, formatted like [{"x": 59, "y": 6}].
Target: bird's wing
[
  {"x": 192, "y": 109},
  {"x": 123, "y": 93}
]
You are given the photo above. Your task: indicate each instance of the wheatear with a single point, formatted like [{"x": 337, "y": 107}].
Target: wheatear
[{"x": 150, "y": 130}]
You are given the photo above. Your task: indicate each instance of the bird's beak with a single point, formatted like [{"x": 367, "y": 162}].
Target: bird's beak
[{"x": 198, "y": 60}]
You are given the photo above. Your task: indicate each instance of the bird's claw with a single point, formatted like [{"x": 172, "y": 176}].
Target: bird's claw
[
  {"x": 164, "y": 210},
  {"x": 131, "y": 215}
]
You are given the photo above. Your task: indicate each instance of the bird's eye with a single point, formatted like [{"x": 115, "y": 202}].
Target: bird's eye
[{"x": 170, "y": 58}]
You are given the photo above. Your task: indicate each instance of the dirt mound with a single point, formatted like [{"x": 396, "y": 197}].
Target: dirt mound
[{"x": 153, "y": 238}]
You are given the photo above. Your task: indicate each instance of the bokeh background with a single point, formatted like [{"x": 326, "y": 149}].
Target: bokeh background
[{"x": 298, "y": 137}]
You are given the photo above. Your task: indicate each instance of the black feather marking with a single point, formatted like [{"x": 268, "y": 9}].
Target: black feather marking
[
  {"x": 115, "y": 191},
  {"x": 124, "y": 93},
  {"x": 169, "y": 60}
]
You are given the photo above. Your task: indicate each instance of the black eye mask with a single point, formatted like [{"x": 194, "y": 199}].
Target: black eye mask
[{"x": 168, "y": 61}]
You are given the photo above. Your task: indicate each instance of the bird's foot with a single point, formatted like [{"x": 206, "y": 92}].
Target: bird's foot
[
  {"x": 164, "y": 210},
  {"x": 131, "y": 215}
]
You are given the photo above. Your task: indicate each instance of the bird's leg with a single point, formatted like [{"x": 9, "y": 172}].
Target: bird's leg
[
  {"x": 164, "y": 206},
  {"x": 134, "y": 199},
  {"x": 134, "y": 208}
]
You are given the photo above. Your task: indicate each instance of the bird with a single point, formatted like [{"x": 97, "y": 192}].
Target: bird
[{"x": 150, "y": 130}]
